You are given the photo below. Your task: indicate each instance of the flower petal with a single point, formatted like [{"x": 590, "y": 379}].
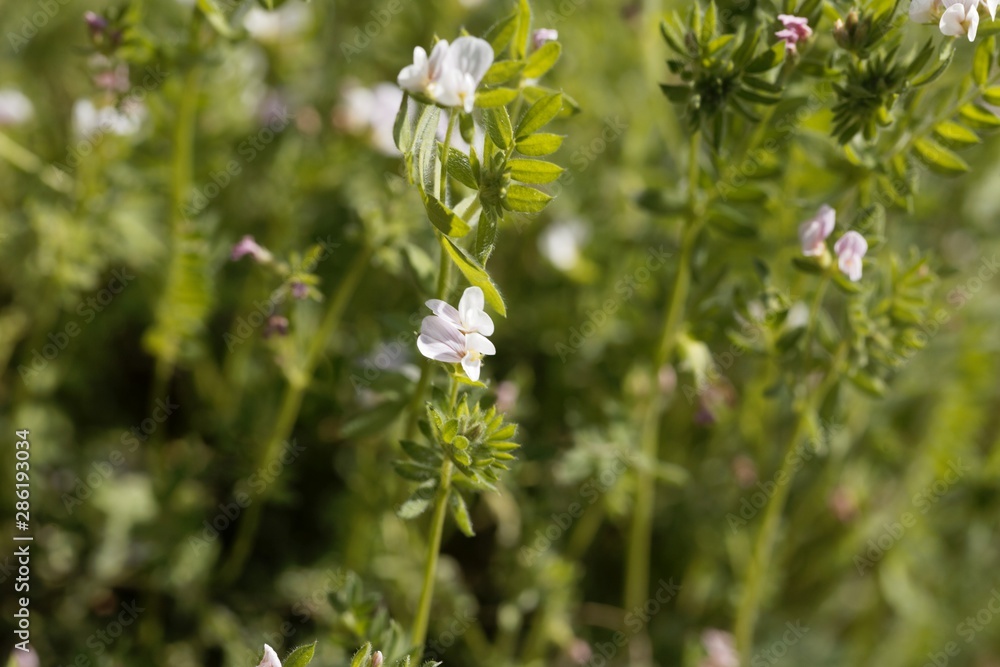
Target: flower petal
[
  {"x": 478, "y": 322},
  {"x": 436, "y": 350},
  {"x": 472, "y": 363},
  {"x": 471, "y": 55},
  {"x": 270, "y": 658},
  {"x": 478, "y": 343},
  {"x": 445, "y": 311}
]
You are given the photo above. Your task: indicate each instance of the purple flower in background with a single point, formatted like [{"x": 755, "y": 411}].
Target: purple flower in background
[
  {"x": 276, "y": 325},
  {"x": 543, "y": 36},
  {"x": 850, "y": 249},
  {"x": 300, "y": 290},
  {"x": 796, "y": 30},
  {"x": 814, "y": 232},
  {"x": 248, "y": 246}
]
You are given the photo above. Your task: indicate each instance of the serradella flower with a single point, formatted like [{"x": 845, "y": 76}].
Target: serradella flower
[
  {"x": 796, "y": 29},
  {"x": 991, "y": 7},
  {"x": 814, "y": 232},
  {"x": 465, "y": 65},
  {"x": 422, "y": 76},
  {"x": 248, "y": 246},
  {"x": 960, "y": 17},
  {"x": 851, "y": 249},
  {"x": 452, "y": 74},
  {"x": 458, "y": 336},
  {"x": 543, "y": 36},
  {"x": 469, "y": 317},
  {"x": 270, "y": 658}
]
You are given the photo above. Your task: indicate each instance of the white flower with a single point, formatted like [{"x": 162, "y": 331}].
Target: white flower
[
  {"x": 287, "y": 21},
  {"x": 813, "y": 233},
  {"x": 89, "y": 120},
  {"x": 452, "y": 74},
  {"x": 991, "y": 7},
  {"x": 469, "y": 317},
  {"x": 926, "y": 11},
  {"x": 465, "y": 65},
  {"x": 850, "y": 249},
  {"x": 961, "y": 17},
  {"x": 458, "y": 335},
  {"x": 422, "y": 76},
  {"x": 270, "y": 658},
  {"x": 15, "y": 108},
  {"x": 370, "y": 112},
  {"x": 561, "y": 242}
]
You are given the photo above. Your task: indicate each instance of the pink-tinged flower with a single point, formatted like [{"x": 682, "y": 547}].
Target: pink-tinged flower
[
  {"x": 469, "y": 317},
  {"x": 276, "y": 326},
  {"x": 850, "y": 249},
  {"x": 300, "y": 290},
  {"x": 15, "y": 108},
  {"x": 458, "y": 336},
  {"x": 721, "y": 649},
  {"x": 814, "y": 232},
  {"x": 270, "y": 658},
  {"x": 377, "y": 659},
  {"x": 543, "y": 36},
  {"x": 796, "y": 29},
  {"x": 248, "y": 246},
  {"x": 961, "y": 17}
]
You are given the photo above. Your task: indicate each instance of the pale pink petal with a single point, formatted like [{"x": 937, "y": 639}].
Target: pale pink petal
[
  {"x": 445, "y": 311},
  {"x": 270, "y": 658}
]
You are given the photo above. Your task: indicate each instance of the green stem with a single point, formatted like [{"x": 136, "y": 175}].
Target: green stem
[
  {"x": 422, "y": 619},
  {"x": 748, "y": 610},
  {"x": 291, "y": 403},
  {"x": 640, "y": 534},
  {"x": 414, "y": 410},
  {"x": 445, "y": 154}
]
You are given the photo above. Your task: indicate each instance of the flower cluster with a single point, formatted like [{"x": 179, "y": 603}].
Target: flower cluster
[
  {"x": 796, "y": 29},
  {"x": 955, "y": 18},
  {"x": 850, "y": 248},
  {"x": 452, "y": 73},
  {"x": 458, "y": 335}
]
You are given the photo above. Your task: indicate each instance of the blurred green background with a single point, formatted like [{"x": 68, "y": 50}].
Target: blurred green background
[{"x": 148, "y": 420}]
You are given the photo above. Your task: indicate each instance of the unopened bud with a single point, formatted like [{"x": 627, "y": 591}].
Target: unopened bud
[{"x": 377, "y": 659}]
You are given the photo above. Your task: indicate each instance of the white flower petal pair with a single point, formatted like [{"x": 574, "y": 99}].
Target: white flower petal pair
[
  {"x": 452, "y": 73},
  {"x": 955, "y": 18},
  {"x": 458, "y": 336},
  {"x": 851, "y": 249}
]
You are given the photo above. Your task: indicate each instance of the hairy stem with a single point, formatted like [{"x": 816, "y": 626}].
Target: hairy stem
[
  {"x": 640, "y": 534},
  {"x": 291, "y": 403},
  {"x": 422, "y": 619}
]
